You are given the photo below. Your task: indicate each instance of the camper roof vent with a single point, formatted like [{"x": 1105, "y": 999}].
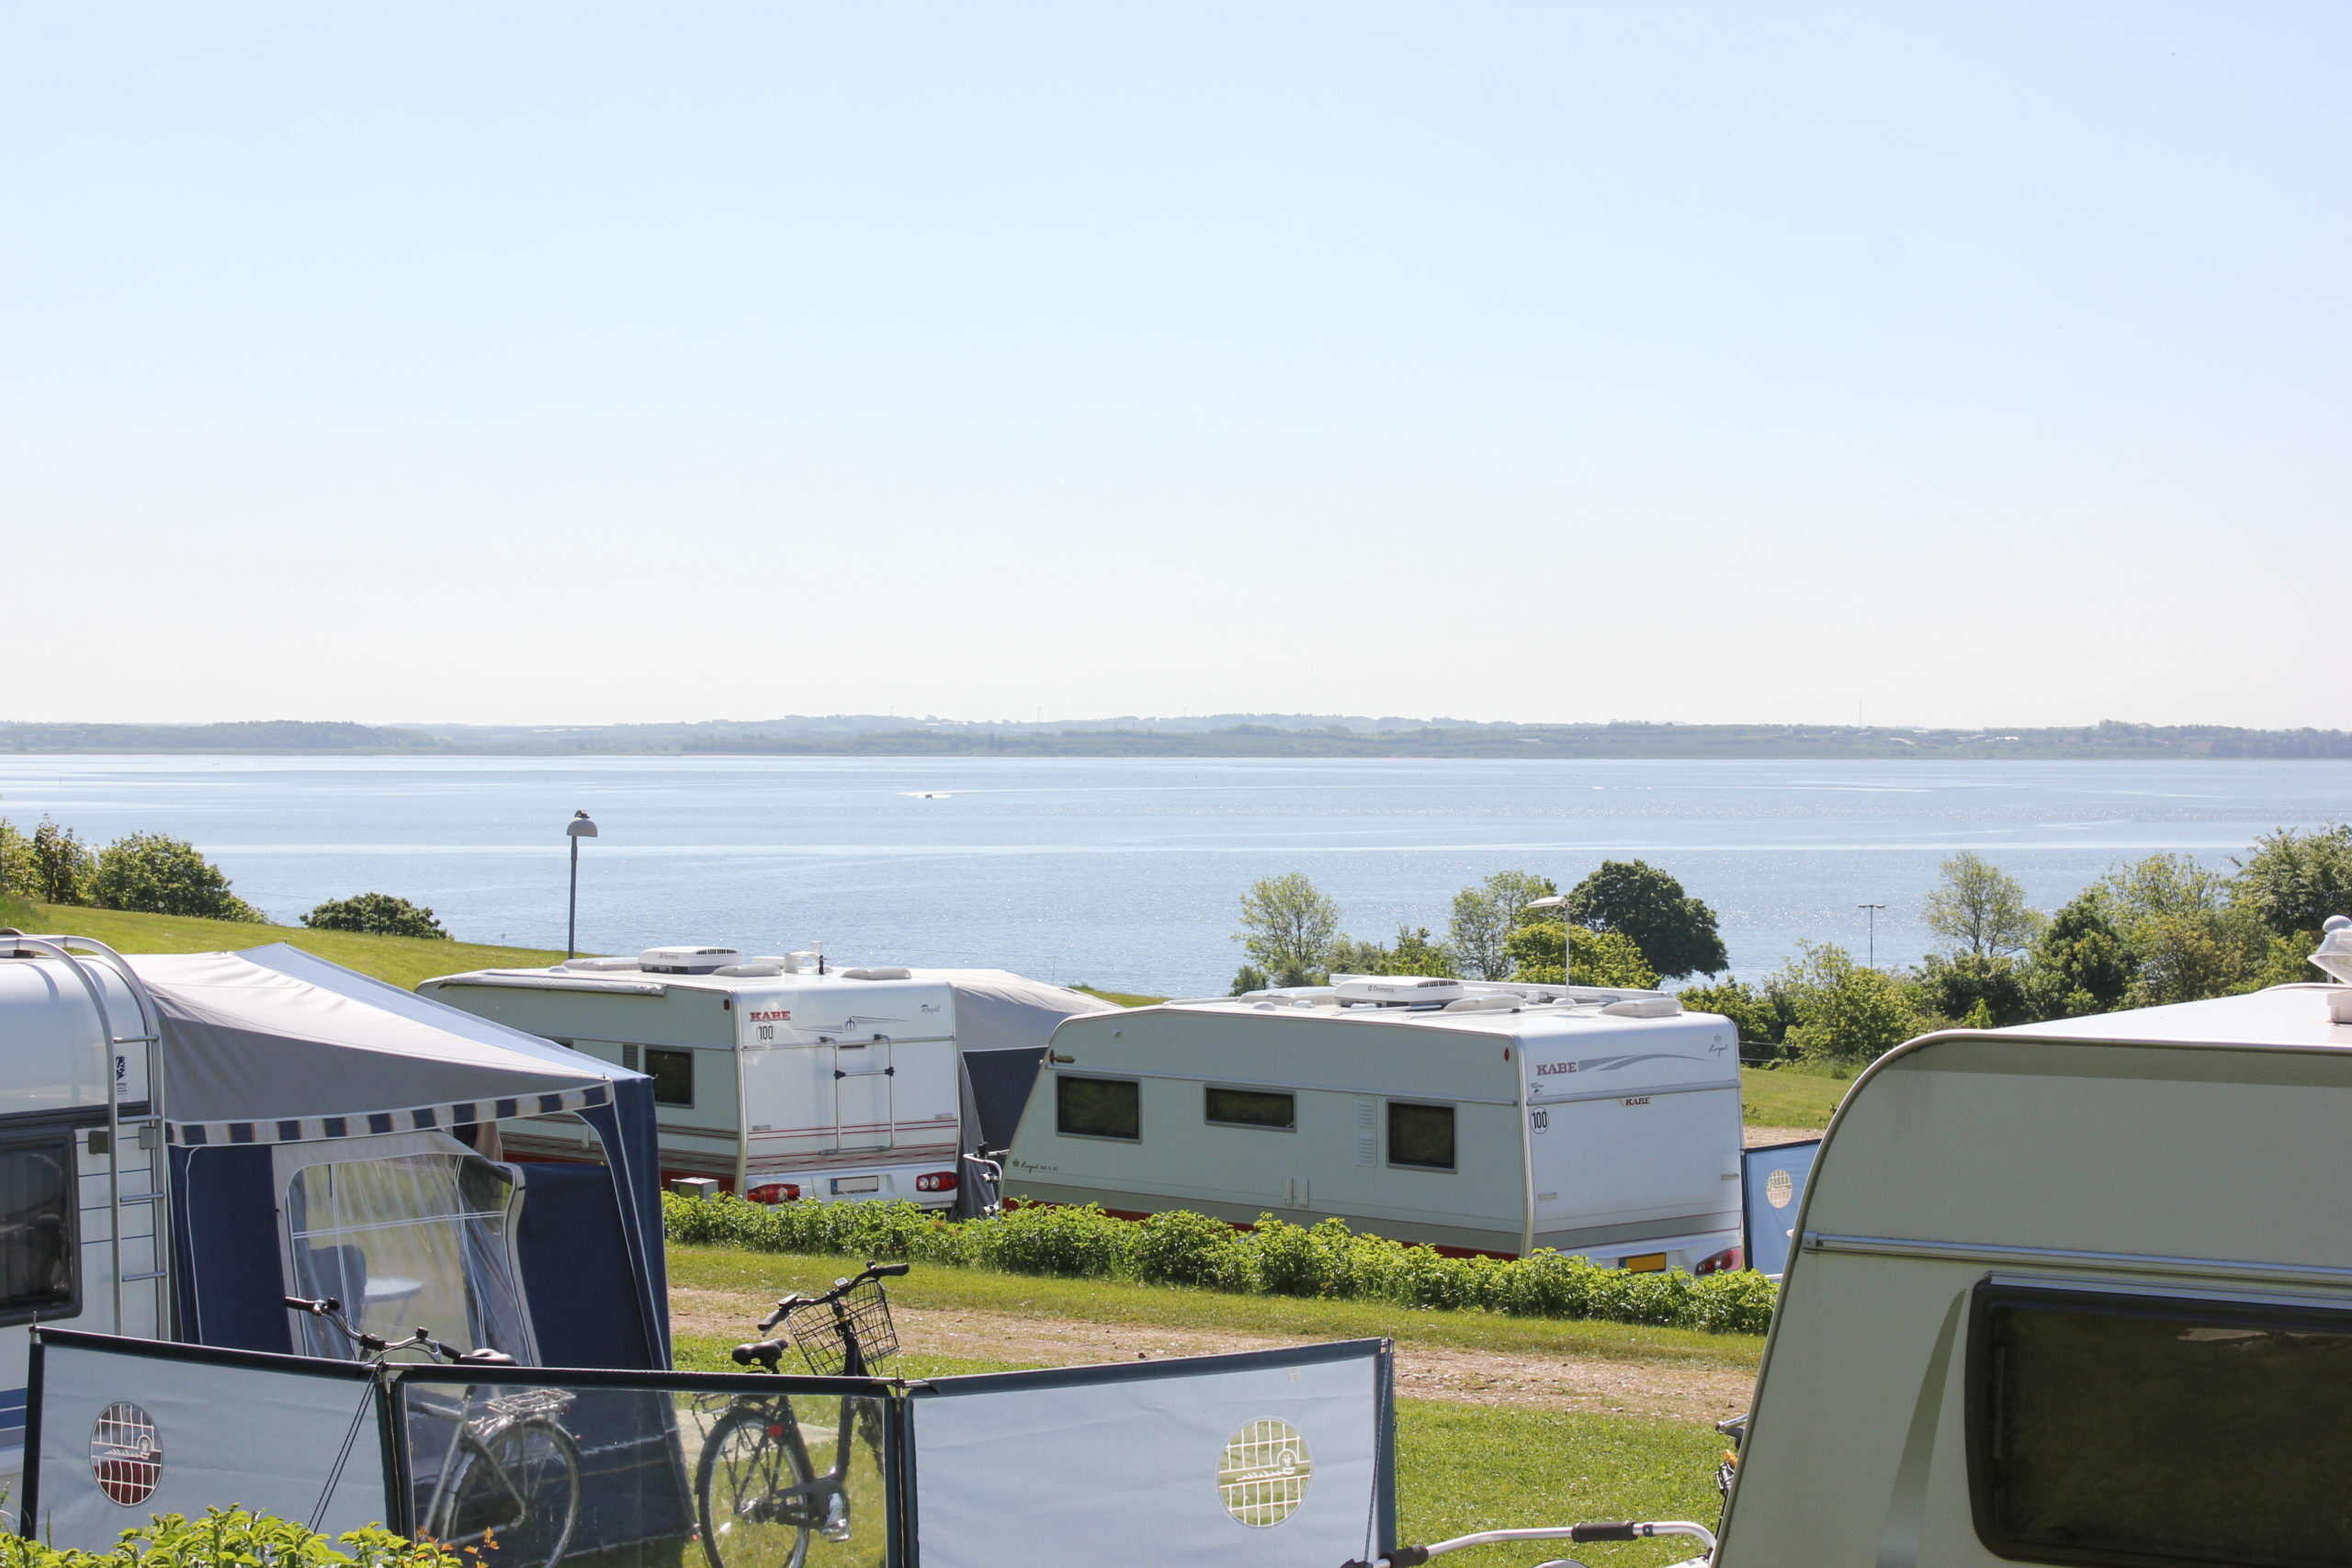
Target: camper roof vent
[
  {"x": 687, "y": 960},
  {"x": 1397, "y": 990},
  {"x": 599, "y": 966},
  {"x": 889, "y": 974},
  {"x": 1486, "y": 1004},
  {"x": 749, "y": 971},
  {"x": 1643, "y": 1007}
]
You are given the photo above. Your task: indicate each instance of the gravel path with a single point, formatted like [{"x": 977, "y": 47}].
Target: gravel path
[{"x": 1537, "y": 1381}]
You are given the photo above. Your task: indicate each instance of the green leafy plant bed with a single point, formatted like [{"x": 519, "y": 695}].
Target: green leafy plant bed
[
  {"x": 234, "y": 1538},
  {"x": 1276, "y": 1258}
]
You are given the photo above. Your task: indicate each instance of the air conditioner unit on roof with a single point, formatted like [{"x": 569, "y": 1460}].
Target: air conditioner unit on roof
[{"x": 687, "y": 960}]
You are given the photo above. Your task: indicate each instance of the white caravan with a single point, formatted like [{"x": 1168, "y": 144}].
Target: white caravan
[
  {"x": 782, "y": 1079},
  {"x": 2072, "y": 1292},
  {"x": 1476, "y": 1117}
]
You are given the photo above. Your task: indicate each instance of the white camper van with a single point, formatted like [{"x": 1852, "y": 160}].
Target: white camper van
[
  {"x": 783, "y": 1080},
  {"x": 1476, "y": 1117}
]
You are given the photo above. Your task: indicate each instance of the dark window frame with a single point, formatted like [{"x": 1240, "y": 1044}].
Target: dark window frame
[
  {"x": 1061, "y": 1112},
  {"x": 65, "y": 1142},
  {"x": 1208, "y": 1108},
  {"x": 1978, "y": 1373},
  {"x": 647, "y": 1054},
  {"x": 1454, "y": 1141}
]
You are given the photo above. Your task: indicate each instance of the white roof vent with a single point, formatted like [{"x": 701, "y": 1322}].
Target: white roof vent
[
  {"x": 687, "y": 960},
  {"x": 1644, "y": 1007},
  {"x": 1397, "y": 990},
  {"x": 599, "y": 966},
  {"x": 889, "y": 973}
]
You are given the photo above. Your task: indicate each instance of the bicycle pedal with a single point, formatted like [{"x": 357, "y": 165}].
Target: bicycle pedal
[{"x": 836, "y": 1525}]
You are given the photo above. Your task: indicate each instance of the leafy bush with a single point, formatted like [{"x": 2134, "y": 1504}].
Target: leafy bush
[
  {"x": 18, "y": 869},
  {"x": 61, "y": 865},
  {"x": 1277, "y": 1257},
  {"x": 151, "y": 873},
  {"x": 235, "y": 1538},
  {"x": 378, "y": 912}
]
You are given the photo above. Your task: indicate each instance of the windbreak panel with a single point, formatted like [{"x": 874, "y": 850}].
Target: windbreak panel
[{"x": 695, "y": 1472}]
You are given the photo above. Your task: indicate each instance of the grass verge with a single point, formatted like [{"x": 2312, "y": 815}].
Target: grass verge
[
  {"x": 1466, "y": 1466},
  {"x": 402, "y": 960},
  {"x": 1787, "y": 1096},
  {"x": 768, "y": 1275}
]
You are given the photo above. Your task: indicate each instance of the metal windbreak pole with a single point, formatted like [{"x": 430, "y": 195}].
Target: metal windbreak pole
[
  {"x": 579, "y": 828},
  {"x": 1874, "y": 909}
]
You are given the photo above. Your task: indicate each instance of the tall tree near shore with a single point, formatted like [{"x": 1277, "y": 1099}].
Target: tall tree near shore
[
  {"x": 1675, "y": 931},
  {"x": 1484, "y": 918},
  {"x": 1288, "y": 928},
  {"x": 1980, "y": 908}
]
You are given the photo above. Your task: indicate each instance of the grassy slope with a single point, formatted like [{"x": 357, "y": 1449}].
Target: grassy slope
[
  {"x": 402, "y": 960},
  {"x": 1779, "y": 1098},
  {"x": 769, "y": 1275}
]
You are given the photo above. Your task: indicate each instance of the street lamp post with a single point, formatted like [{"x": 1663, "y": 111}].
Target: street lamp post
[
  {"x": 579, "y": 828},
  {"x": 1874, "y": 909}
]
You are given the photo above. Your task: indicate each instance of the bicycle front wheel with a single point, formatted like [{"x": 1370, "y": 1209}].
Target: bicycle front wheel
[
  {"x": 756, "y": 1490},
  {"x": 519, "y": 1487}
]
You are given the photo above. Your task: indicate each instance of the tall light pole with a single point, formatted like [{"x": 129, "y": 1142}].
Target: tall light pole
[
  {"x": 579, "y": 828},
  {"x": 1557, "y": 901},
  {"x": 1874, "y": 909}
]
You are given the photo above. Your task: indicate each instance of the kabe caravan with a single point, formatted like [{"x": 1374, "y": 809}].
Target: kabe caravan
[
  {"x": 1485, "y": 1117},
  {"x": 185, "y": 1140},
  {"x": 783, "y": 1080}
]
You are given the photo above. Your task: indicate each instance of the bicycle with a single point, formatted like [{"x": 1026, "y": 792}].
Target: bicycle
[
  {"x": 509, "y": 1480},
  {"x": 757, "y": 1493}
]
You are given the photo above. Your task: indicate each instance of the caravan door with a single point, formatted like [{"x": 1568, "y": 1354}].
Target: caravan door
[{"x": 863, "y": 1083}]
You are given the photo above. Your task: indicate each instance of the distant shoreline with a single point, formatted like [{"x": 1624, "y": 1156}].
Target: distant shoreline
[{"x": 1231, "y": 736}]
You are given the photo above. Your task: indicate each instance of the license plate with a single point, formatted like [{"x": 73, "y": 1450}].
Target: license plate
[
  {"x": 1647, "y": 1263},
  {"x": 873, "y": 1184}
]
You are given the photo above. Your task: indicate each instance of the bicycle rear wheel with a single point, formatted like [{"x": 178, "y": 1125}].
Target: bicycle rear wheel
[
  {"x": 754, "y": 1490},
  {"x": 519, "y": 1486}
]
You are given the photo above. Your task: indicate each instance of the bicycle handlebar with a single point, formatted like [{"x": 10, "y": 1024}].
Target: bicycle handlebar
[{"x": 332, "y": 1310}]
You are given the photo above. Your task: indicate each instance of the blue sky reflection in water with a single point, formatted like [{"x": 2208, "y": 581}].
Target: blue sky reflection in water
[{"x": 1126, "y": 872}]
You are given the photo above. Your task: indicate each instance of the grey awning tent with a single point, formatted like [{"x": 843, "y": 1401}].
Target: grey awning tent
[{"x": 272, "y": 1046}]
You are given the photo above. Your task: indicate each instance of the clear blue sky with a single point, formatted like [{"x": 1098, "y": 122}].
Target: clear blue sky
[{"x": 581, "y": 363}]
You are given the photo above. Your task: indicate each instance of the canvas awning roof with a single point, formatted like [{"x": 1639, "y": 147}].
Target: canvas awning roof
[{"x": 274, "y": 1045}]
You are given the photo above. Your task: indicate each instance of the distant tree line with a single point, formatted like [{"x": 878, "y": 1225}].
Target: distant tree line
[
  {"x": 153, "y": 874},
  {"x": 2150, "y": 933},
  {"x": 1628, "y": 924}
]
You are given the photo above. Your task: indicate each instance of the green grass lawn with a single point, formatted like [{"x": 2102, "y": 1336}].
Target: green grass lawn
[
  {"x": 1125, "y": 999},
  {"x": 402, "y": 960},
  {"x": 1466, "y": 1467},
  {"x": 1783, "y": 1096},
  {"x": 769, "y": 1275}
]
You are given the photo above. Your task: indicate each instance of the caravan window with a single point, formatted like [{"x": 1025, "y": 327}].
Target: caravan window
[
  {"x": 37, "y": 1227},
  {"x": 673, "y": 1073},
  {"x": 409, "y": 1240},
  {"x": 2113, "y": 1428},
  {"x": 1098, "y": 1107},
  {"x": 1253, "y": 1108},
  {"x": 1420, "y": 1136}
]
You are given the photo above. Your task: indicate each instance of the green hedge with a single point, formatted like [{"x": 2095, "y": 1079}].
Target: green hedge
[
  {"x": 1276, "y": 1258},
  {"x": 233, "y": 1537}
]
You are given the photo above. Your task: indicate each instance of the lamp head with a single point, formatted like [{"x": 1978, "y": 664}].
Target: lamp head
[{"x": 580, "y": 827}]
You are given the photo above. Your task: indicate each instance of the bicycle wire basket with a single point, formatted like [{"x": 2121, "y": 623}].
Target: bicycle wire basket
[{"x": 823, "y": 1333}]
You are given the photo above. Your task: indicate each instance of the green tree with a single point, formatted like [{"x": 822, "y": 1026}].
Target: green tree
[
  {"x": 1288, "y": 928},
  {"x": 1965, "y": 985},
  {"x": 1601, "y": 958},
  {"x": 1980, "y": 908},
  {"x": 2188, "y": 937},
  {"x": 2293, "y": 882},
  {"x": 156, "y": 874},
  {"x": 1414, "y": 954},
  {"x": 378, "y": 912},
  {"x": 1846, "y": 1013},
  {"x": 18, "y": 870},
  {"x": 1757, "y": 1014},
  {"x": 61, "y": 865},
  {"x": 2079, "y": 964},
  {"x": 1250, "y": 978},
  {"x": 1484, "y": 918},
  {"x": 1675, "y": 931}
]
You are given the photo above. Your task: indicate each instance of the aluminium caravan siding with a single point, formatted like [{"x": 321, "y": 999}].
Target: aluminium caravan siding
[
  {"x": 2147, "y": 1175},
  {"x": 1335, "y": 1161}
]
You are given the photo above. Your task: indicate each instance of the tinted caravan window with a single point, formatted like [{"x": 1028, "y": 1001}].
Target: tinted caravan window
[
  {"x": 1420, "y": 1136},
  {"x": 37, "y": 1215},
  {"x": 1098, "y": 1107},
  {"x": 2113, "y": 1429},
  {"x": 1253, "y": 1108},
  {"x": 673, "y": 1073}
]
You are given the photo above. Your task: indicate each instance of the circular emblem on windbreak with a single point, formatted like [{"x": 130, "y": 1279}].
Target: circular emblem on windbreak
[
  {"x": 1264, "y": 1472},
  {"x": 125, "y": 1454},
  {"x": 1778, "y": 1187}
]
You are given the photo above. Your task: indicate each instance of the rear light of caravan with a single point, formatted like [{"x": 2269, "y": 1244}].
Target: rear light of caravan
[
  {"x": 1722, "y": 1262},
  {"x": 775, "y": 1193},
  {"x": 935, "y": 1181}
]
